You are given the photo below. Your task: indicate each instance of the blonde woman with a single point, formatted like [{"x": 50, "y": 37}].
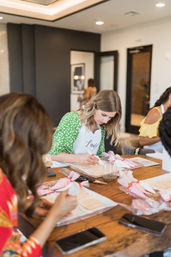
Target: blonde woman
[{"x": 80, "y": 135}]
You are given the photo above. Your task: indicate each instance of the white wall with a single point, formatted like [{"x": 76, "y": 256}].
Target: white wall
[
  {"x": 156, "y": 33},
  {"x": 77, "y": 57},
  {"x": 4, "y": 65}
]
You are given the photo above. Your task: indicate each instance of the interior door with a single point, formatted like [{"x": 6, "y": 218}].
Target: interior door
[
  {"x": 106, "y": 70},
  {"x": 106, "y": 76},
  {"x": 138, "y": 86},
  {"x": 85, "y": 61}
]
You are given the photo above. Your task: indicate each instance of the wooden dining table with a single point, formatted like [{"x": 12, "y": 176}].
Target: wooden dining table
[{"x": 121, "y": 241}]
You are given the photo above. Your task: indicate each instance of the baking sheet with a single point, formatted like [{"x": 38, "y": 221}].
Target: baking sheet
[
  {"x": 94, "y": 171},
  {"x": 160, "y": 182},
  {"x": 80, "y": 212},
  {"x": 98, "y": 170},
  {"x": 144, "y": 162},
  {"x": 156, "y": 155}
]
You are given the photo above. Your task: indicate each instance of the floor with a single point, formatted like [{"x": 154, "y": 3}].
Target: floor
[{"x": 136, "y": 119}]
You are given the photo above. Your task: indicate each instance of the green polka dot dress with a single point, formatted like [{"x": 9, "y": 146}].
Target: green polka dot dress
[{"x": 67, "y": 132}]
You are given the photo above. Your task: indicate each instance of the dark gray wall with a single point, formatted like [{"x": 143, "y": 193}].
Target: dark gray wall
[{"x": 39, "y": 61}]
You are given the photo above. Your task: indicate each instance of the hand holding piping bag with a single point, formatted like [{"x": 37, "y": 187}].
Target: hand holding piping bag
[
  {"x": 95, "y": 156},
  {"x": 100, "y": 161}
]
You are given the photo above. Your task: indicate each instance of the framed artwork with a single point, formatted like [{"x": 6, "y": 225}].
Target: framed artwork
[{"x": 77, "y": 78}]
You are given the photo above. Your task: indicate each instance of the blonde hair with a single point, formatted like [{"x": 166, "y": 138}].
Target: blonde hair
[{"x": 107, "y": 101}]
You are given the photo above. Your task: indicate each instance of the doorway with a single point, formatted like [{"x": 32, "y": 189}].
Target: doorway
[
  {"x": 83, "y": 60},
  {"x": 106, "y": 70},
  {"x": 101, "y": 66},
  {"x": 138, "y": 86}
]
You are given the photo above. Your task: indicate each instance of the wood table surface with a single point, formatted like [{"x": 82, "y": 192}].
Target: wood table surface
[{"x": 121, "y": 240}]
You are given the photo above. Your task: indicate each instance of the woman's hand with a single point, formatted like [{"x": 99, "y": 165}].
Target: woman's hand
[
  {"x": 64, "y": 204},
  {"x": 75, "y": 158},
  {"x": 88, "y": 158},
  {"x": 47, "y": 160}
]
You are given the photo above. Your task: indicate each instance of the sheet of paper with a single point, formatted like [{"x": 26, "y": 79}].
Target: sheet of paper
[
  {"x": 156, "y": 155},
  {"x": 160, "y": 182},
  {"x": 58, "y": 164},
  {"x": 121, "y": 164},
  {"x": 99, "y": 170},
  {"x": 95, "y": 171},
  {"x": 144, "y": 162},
  {"x": 83, "y": 210}
]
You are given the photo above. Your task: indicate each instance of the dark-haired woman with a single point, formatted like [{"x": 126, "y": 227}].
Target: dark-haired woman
[
  {"x": 165, "y": 130},
  {"x": 89, "y": 92},
  {"x": 25, "y": 136},
  {"x": 149, "y": 134}
]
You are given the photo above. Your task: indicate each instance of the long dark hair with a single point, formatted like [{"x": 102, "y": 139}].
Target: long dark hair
[
  {"x": 91, "y": 83},
  {"x": 165, "y": 130},
  {"x": 163, "y": 98},
  {"x": 25, "y": 135}
]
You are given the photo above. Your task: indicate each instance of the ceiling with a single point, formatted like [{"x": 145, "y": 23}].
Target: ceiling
[
  {"x": 116, "y": 14},
  {"x": 45, "y": 10},
  {"x": 43, "y": 2}
]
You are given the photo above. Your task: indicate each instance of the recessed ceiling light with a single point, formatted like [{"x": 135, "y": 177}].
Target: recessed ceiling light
[
  {"x": 1, "y": 18},
  {"x": 99, "y": 22},
  {"x": 160, "y": 4}
]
